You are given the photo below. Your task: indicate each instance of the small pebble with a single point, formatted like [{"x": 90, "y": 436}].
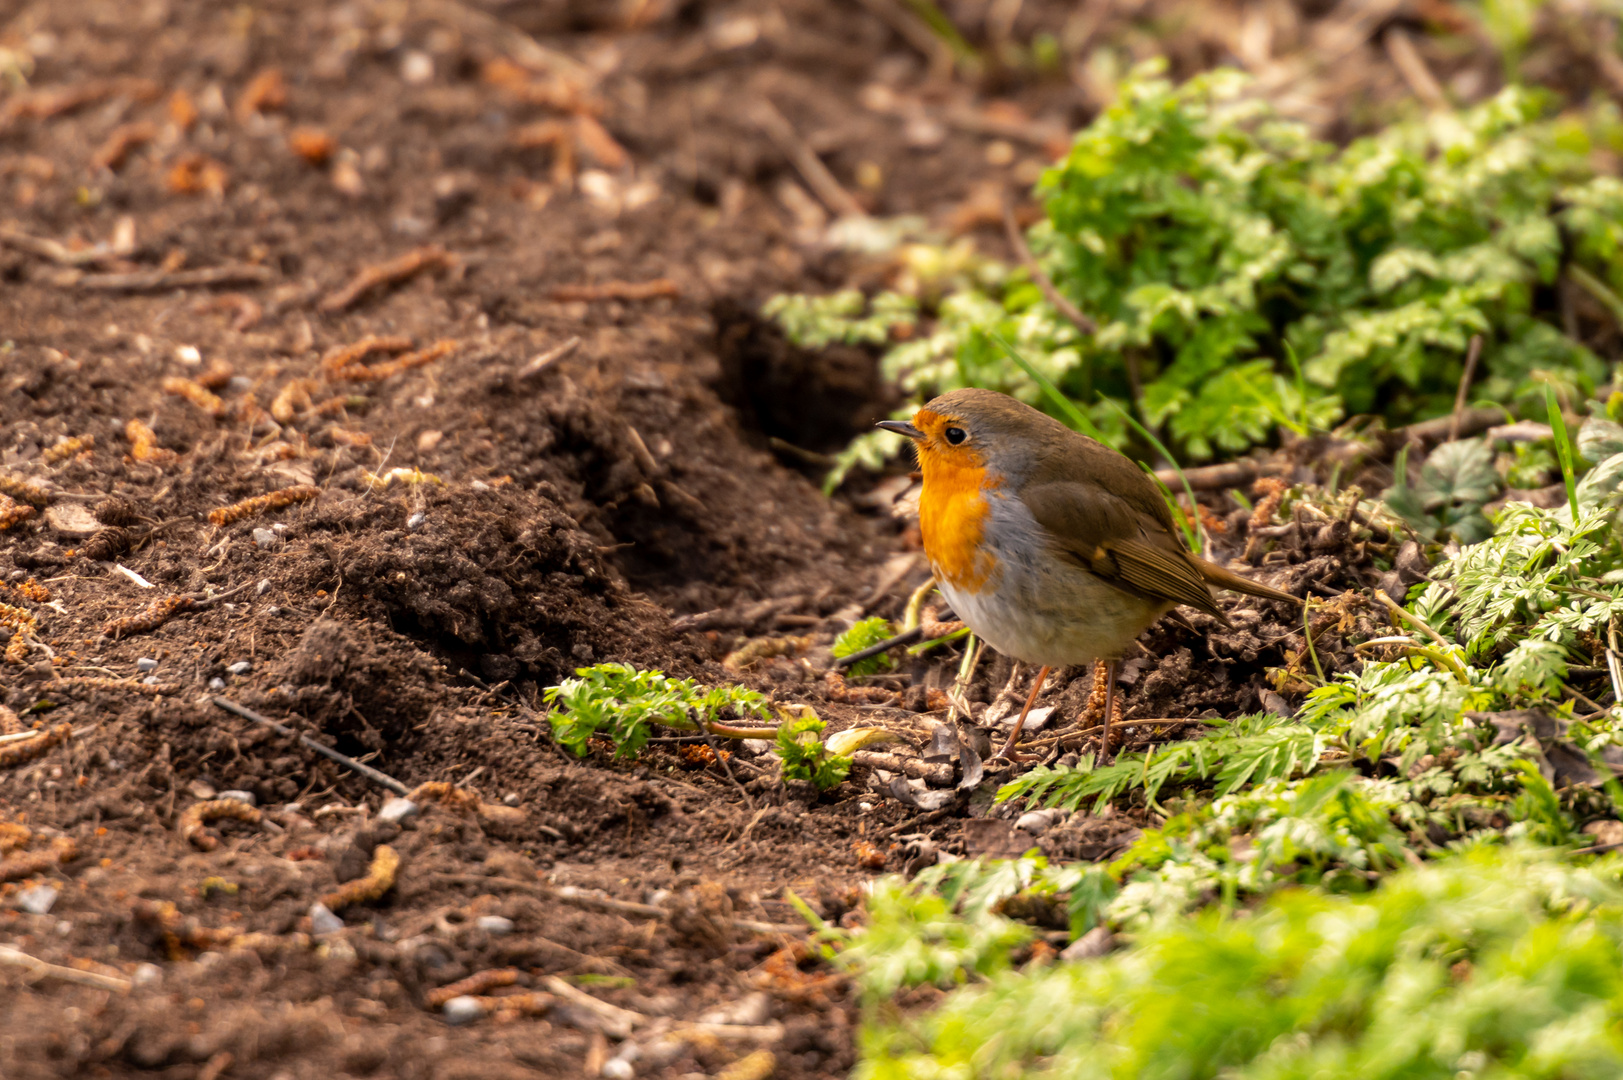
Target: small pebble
[
  {"x": 511, "y": 799},
  {"x": 146, "y": 974},
  {"x": 38, "y": 900},
  {"x": 416, "y": 520},
  {"x": 263, "y": 587},
  {"x": 241, "y": 667},
  {"x": 273, "y": 610},
  {"x": 494, "y": 924},
  {"x": 397, "y": 810},
  {"x": 239, "y": 384},
  {"x": 238, "y": 795},
  {"x": 480, "y": 485},
  {"x": 150, "y": 680},
  {"x": 216, "y": 683},
  {"x": 265, "y": 538},
  {"x": 463, "y": 1010},
  {"x": 1037, "y": 822},
  {"x": 618, "y": 1069},
  {"x": 323, "y": 921},
  {"x": 146, "y": 665}
]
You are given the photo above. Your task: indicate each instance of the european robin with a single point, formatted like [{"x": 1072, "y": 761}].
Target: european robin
[{"x": 1052, "y": 547}]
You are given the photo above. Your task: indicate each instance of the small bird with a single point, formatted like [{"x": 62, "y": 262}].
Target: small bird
[{"x": 1052, "y": 547}]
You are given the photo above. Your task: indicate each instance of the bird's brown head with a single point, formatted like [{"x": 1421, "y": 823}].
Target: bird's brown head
[{"x": 979, "y": 432}]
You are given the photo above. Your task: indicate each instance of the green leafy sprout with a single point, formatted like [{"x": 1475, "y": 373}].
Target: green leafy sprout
[
  {"x": 864, "y": 634},
  {"x": 620, "y": 703},
  {"x": 806, "y": 756}
]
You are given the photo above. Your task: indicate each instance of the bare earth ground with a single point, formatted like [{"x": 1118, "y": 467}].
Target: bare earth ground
[{"x": 624, "y": 503}]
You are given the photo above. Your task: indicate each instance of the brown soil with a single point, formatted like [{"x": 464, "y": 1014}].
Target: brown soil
[{"x": 644, "y": 498}]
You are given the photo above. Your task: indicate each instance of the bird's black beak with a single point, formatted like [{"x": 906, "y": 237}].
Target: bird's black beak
[{"x": 901, "y": 427}]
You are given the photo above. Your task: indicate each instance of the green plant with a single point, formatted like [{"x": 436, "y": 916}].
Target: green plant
[
  {"x": 1497, "y": 962},
  {"x": 1456, "y": 481},
  {"x": 1214, "y": 242},
  {"x": 806, "y": 756},
  {"x": 864, "y": 634},
  {"x": 620, "y": 703}
]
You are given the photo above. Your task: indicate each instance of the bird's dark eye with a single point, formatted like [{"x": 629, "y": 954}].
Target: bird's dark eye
[{"x": 955, "y": 435}]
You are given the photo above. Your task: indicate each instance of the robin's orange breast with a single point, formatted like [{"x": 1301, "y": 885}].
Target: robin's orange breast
[{"x": 953, "y": 511}]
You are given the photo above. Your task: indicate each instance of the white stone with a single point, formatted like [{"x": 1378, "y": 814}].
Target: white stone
[
  {"x": 38, "y": 900},
  {"x": 462, "y": 1010},
  {"x": 323, "y": 921},
  {"x": 397, "y": 810},
  {"x": 239, "y": 795},
  {"x": 494, "y": 924}
]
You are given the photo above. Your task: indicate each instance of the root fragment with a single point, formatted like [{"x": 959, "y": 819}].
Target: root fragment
[
  {"x": 21, "y": 753},
  {"x": 343, "y": 356},
  {"x": 125, "y": 138},
  {"x": 393, "y": 272},
  {"x": 274, "y": 500},
  {"x": 144, "y": 445},
  {"x": 13, "y": 513},
  {"x": 480, "y": 982},
  {"x": 194, "y": 822},
  {"x": 379, "y": 879},
  {"x": 619, "y": 290},
  {"x": 150, "y": 618},
  {"x": 361, "y": 373},
  {"x": 68, "y": 448},
  {"x": 63, "y": 850},
  {"x": 292, "y": 399},
  {"x": 194, "y": 392}
]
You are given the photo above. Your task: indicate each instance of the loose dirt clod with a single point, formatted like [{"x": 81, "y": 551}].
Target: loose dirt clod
[
  {"x": 194, "y": 821},
  {"x": 274, "y": 500},
  {"x": 379, "y": 879}
]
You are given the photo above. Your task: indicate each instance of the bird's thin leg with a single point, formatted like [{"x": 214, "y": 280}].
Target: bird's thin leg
[
  {"x": 1042, "y": 676},
  {"x": 1110, "y": 709}
]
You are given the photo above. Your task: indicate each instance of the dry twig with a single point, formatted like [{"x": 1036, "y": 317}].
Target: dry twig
[
  {"x": 13, "y": 957},
  {"x": 833, "y": 195},
  {"x": 618, "y": 290},
  {"x": 367, "y": 771}
]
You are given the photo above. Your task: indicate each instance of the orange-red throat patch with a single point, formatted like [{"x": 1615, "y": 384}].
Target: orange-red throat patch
[{"x": 953, "y": 508}]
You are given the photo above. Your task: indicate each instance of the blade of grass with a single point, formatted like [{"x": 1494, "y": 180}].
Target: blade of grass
[
  {"x": 1563, "y": 449},
  {"x": 1079, "y": 420}
]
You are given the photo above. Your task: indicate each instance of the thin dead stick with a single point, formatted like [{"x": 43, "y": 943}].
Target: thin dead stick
[
  {"x": 158, "y": 280},
  {"x": 1472, "y": 353},
  {"x": 906, "y": 637},
  {"x": 1050, "y": 740},
  {"x": 542, "y": 361},
  {"x": 939, "y": 772},
  {"x": 367, "y": 771},
  {"x": 12, "y": 957},
  {"x": 1050, "y": 292},
  {"x": 60, "y": 253},
  {"x": 811, "y": 167},
  {"x": 1214, "y": 477},
  {"x": 19, "y": 736}
]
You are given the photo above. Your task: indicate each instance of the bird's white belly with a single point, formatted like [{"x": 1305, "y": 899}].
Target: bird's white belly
[{"x": 1044, "y": 610}]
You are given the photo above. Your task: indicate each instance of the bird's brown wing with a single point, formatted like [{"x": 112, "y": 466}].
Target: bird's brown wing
[{"x": 1118, "y": 541}]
